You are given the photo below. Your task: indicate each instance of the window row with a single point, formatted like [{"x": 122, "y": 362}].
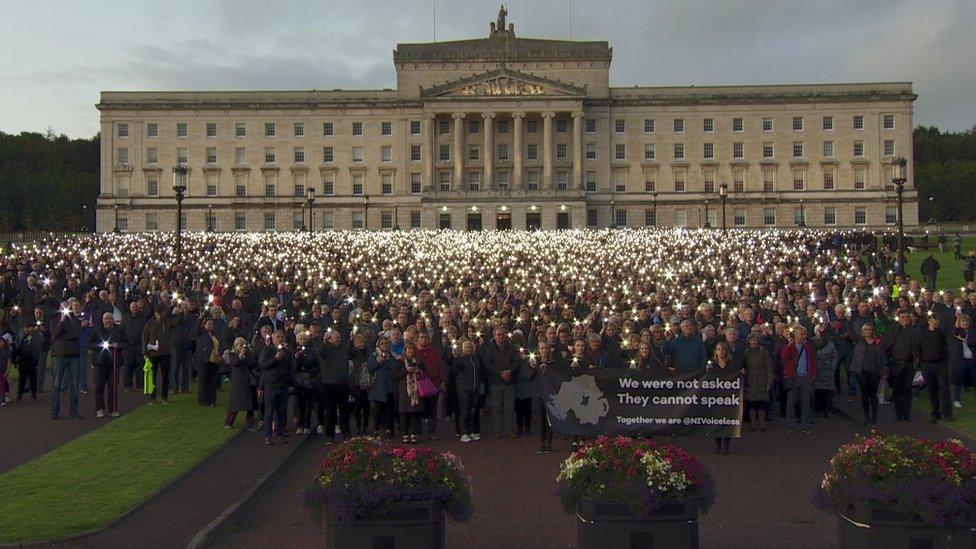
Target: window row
[{"x": 739, "y": 217}]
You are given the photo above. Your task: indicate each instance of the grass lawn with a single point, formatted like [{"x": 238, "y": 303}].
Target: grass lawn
[
  {"x": 950, "y": 275},
  {"x": 92, "y": 480},
  {"x": 965, "y": 416}
]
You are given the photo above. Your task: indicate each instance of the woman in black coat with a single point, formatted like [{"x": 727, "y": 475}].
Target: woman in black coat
[
  {"x": 306, "y": 383},
  {"x": 243, "y": 385},
  {"x": 207, "y": 360},
  {"x": 962, "y": 351},
  {"x": 469, "y": 386},
  {"x": 358, "y": 357}
]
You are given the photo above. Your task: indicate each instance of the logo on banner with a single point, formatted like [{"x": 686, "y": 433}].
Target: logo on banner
[{"x": 581, "y": 396}]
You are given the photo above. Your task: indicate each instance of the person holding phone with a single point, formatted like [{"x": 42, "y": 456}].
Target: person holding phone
[
  {"x": 242, "y": 396},
  {"x": 277, "y": 364}
]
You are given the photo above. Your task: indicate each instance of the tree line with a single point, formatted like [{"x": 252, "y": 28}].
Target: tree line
[{"x": 49, "y": 182}]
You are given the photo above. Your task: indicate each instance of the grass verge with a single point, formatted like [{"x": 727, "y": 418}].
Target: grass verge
[
  {"x": 965, "y": 416},
  {"x": 92, "y": 480}
]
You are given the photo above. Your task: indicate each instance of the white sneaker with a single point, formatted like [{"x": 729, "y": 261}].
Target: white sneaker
[
  {"x": 957, "y": 404},
  {"x": 100, "y": 414},
  {"x": 466, "y": 438},
  {"x": 115, "y": 414},
  {"x": 319, "y": 430},
  {"x": 476, "y": 436}
]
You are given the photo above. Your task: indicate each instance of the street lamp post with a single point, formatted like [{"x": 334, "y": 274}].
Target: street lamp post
[
  {"x": 310, "y": 199},
  {"x": 396, "y": 216},
  {"x": 803, "y": 216},
  {"x": 366, "y": 213},
  {"x": 613, "y": 215},
  {"x": 84, "y": 218},
  {"x": 210, "y": 219},
  {"x": 115, "y": 208},
  {"x": 899, "y": 178},
  {"x": 707, "y": 224},
  {"x": 723, "y": 193},
  {"x": 179, "y": 187},
  {"x": 931, "y": 210},
  {"x": 654, "y": 206}
]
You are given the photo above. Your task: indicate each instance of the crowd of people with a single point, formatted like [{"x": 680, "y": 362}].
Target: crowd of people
[{"x": 416, "y": 333}]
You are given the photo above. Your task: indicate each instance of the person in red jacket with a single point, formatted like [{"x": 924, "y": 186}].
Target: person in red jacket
[
  {"x": 799, "y": 359},
  {"x": 434, "y": 366}
]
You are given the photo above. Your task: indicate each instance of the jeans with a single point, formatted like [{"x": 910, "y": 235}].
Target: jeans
[
  {"x": 160, "y": 371},
  {"x": 381, "y": 414},
  {"x": 65, "y": 379},
  {"x": 207, "y": 384},
  {"x": 800, "y": 389},
  {"x": 335, "y": 399},
  {"x": 503, "y": 402},
  {"x": 937, "y": 380},
  {"x": 968, "y": 374},
  {"x": 275, "y": 409},
  {"x": 468, "y": 408}
]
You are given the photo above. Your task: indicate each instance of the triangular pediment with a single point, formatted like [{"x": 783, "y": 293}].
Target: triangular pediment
[{"x": 503, "y": 82}]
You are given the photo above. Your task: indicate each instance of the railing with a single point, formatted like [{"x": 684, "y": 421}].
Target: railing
[{"x": 32, "y": 236}]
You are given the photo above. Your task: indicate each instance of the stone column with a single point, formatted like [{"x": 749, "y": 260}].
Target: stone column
[
  {"x": 547, "y": 150},
  {"x": 428, "y": 151},
  {"x": 578, "y": 150},
  {"x": 489, "y": 153},
  {"x": 458, "y": 150},
  {"x": 517, "y": 166}
]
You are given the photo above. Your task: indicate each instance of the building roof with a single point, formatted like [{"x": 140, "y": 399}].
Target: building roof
[
  {"x": 764, "y": 93},
  {"x": 502, "y": 47}
]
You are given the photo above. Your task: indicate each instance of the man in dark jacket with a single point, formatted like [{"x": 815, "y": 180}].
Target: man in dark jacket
[
  {"x": 930, "y": 269},
  {"x": 501, "y": 363},
  {"x": 106, "y": 344},
  {"x": 277, "y": 364},
  {"x": 900, "y": 349},
  {"x": 932, "y": 353},
  {"x": 27, "y": 358},
  {"x": 67, "y": 364},
  {"x": 156, "y": 341},
  {"x": 334, "y": 371},
  {"x": 134, "y": 321}
]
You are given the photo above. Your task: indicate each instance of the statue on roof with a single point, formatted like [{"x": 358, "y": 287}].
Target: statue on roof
[
  {"x": 498, "y": 27},
  {"x": 502, "y": 12}
]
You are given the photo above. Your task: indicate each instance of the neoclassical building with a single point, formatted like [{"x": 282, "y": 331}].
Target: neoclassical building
[{"x": 507, "y": 132}]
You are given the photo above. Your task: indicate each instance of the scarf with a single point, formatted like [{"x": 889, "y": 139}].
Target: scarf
[
  {"x": 148, "y": 378},
  {"x": 412, "y": 393}
]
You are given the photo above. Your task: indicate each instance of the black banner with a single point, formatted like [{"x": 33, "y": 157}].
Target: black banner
[{"x": 635, "y": 402}]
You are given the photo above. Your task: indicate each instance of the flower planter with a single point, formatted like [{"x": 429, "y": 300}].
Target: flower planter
[
  {"x": 404, "y": 526},
  {"x": 876, "y": 525},
  {"x": 609, "y": 524}
]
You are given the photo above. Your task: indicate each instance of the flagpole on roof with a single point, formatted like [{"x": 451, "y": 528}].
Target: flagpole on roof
[
  {"x": 434, "y": 12},
  {"x": 570, "y": 20}
]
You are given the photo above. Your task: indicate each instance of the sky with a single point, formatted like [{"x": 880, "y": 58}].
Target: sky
[{"x": 59, "y": 54}]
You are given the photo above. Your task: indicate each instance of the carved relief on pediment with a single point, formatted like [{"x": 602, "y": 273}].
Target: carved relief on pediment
[{"x": 502, "y": 86}]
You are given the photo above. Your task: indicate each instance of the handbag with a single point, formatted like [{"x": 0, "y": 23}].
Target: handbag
[
  {"x": 919, "y": 380},
  {"x": 366, "y": 379},
  {"x": 425, "y": 386}
]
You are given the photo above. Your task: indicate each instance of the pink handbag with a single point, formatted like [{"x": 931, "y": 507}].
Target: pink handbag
[{"x": 425, "y": 387}]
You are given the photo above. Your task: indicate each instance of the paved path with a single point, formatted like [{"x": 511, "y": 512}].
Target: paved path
[{"x": 764, "y": 492}]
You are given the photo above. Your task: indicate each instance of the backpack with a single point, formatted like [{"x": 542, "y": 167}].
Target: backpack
[{"x": 365, "y": 380}]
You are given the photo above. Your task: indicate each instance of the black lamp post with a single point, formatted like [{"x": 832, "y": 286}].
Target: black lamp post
[
  {"x": 366, "y": 213},
  {"x": 115, "y": 208},
  {"x": 707, "y": 224},
  {"x": 613, "y": 215},
  {"x": 723, "y": 193},
  {"x": 654, "y": 206},
  {"x": 310, "y": 199},
  {"x": 931, "y": 210},
  {"x": 210, "y": 219},
  {"x": 179, "y": 187},
  {"x": 899, "y": 177},
  {"x": 84, "y": 218},
  {"x": 396, "y": 216},
  {"x": 803, "y": 216}
]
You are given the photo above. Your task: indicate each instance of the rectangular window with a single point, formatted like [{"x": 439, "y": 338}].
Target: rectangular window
[
  {"x": 858, "y": 149},
  {"x": 531, "y": 126},
  {"x": 386, "y": 128},
  {"x": 474, "y": 152},
  {"x": 181, "y": 129},
  {"x": 123, "y": 223},
  {"x": 269, "y": 155},
  {"x": 620, "y": 125},
  {"x": 357, "y": 128},
  {"x": 891, "y": 214},
  {"x": 708, "y": 182},
  {"x": 648, "y": 125},
  {"x": 650, "y": 217},
  {"x": 648, "y": 151},
  {"x": 444, "y": 182},
  {"x": 386, "y": 184},
  {"x": 211, "y": 155},
  {"x": 357, "y": 184},
  {"x": 152, "y": 155},
  {"x": 415, "y": 183},
  {"x": 828, "y": 123},
  {"x": 798, "y": 180},
  {"x": 769, "y": 216},
  {"x": 708, "y": 151},
  {"x": 768, "y": 149},
  {"x": 298, "y": 129},
  {"x": 767, "y": 124},
  {"x": 386, "y": 153},
  {"x": 650, "y": 185},
  {"x": 562, "y": 180},
  {"x": 181, "y": 157},
  {"x": 297, "y": 220},
  {"x": 769, "y": 181},
  {"x": 269, "y": 221},
  {"x": 269, "y": 185},
  {"x": 589, "y": 125},
  {"x": 799, "y": 216},
  {"x": 358, "y": 220},
  {"x": 502, "y": 126},
  {"x": 474, "y": 181},
  {"x": 828, "y": 179},
  {"x": 328, "y": 186},
  {"x": 532, "y": 151},
  {"x": 828, "y": 149},
  {"x": 415, "y": 127},
  {"x": 532, "y": 180},
  {"x": 889, "y": 147},
  {"x": 122, "y": 129},
  {"x": 211, "y": 184},
  {"x": 444, "y": 127},
  {"x": 240, "y": 185},
  {"x": 328, "y": 221},
  {"x": 151, "y": 223},
  {"x": 858, "y": 121},
  {"x": 591, "y": 217},
  {"x": 152, "y": 186},
  {"x": 738, "y": 181},
  {"x": 798, "y": 149},
  {"x": 122, "y": 155},
  {"x": 620, "y": 181},
  {"x": 240, "y": 155},
  {"x": 298, "y": 185},
  {"x": 503, "y": 152},
  {"x": 708, "y": 125},
  {"x": 357, "y": 154},
  {"x": 589, "y": 151},
  {"x": 328, "y": 129},
  {"x": 473, "y": 126},
  {"x": 679, "y": 151},
  {"x": 560, "y": 125},
  {"x": 211, "y": 129},
  {"x": 738, "y": 150},
  {"x": 620, "y": 217},
  {"x": 386, "y": 220},
  {"x": 830, "y": 215},
  {"x": 681, "y": 218},
  {"x": 591, "y": 181},
  {"x": 679, "y": 181},
  {"x": 739, "y": 217},
  {"x": 860, "y": 216},
  {"x": 858, "y": 178},
  {"x": 561, "y": 151},
  {"x": 415, "y": 219},
  {"x": 328, "y": 154},
  {"x": 240, "y": 129},
  {"x": 445, "y": 153},
  {"x": 152, "y": 130},
  {"x": 269, "y": 129},
  {"x": 888, "y": 121},
  {"x": 415, "y": 153},
  {"x": 737, "y": 124},
  {"x": 798, "y": 123},
  {"x": 679, "y": 125}
]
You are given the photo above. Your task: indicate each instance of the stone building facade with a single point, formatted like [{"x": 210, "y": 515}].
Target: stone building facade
[{"x": 507, "y": 132}]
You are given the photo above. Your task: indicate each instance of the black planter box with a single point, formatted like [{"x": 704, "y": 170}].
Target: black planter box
[
  {"x": 609, "y": 524},
  {"x": 880, "y": 526},
  {"x": 405, "y": 526}
]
